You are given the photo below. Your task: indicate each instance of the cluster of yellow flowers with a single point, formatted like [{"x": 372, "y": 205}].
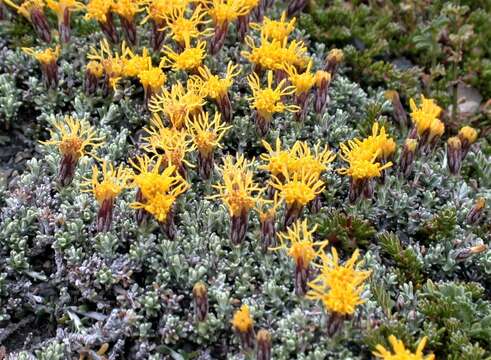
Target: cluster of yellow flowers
[{"x": 181, "y": 124}]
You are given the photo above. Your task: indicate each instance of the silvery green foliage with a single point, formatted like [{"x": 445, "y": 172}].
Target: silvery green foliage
[{"x": 132, "y": 288}]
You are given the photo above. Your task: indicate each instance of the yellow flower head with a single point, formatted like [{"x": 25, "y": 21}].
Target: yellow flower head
[
  {"x": 298, "y": 240},
  {"x": 60, "y": 6},
  {"x": 114, "y": 180},
  {"x": 98, "y": 10},
  {"x": 206, "y": 134},
  {"x": 298, "y": 188},
  {"x": 315, "y": 161},
  {"x": 173, "y": 143},
  {"x": 189, "y": 59},
  {"x": 158, "y": 10},
  {"x": 267, "y": 101},
  {"x": 400, "y": 352},
  {"x": 338, "y": 286},
  {"x": 276, "y": 29},
  {"x": 27, "y": 7},
  {"x": 46, "y": 56},
  {"x": 153, "y": 78},
  {"x": 242, "y": 320},
  {"x": 302, "y": 82},
  {"x": 275, "y": 55},
  {"x": 227, "y": 11},
  {"x": 276, "y": 158},
  {"x": 177, "y": 104},
  {"x": 379, "y": 140},
  {"x": 73, "y": 137},
  {"x": 134, "y": 63},
  {"x": 238, "y": 189},
  {"x": 469, "y": 134},
  {"x": 266, "y": 209},
  {"x": 361, "y": 158},
  {"x": 127, "y": 8},
  {"x": 425, "y": 115},
  {"x": 335, "y": 55},
  {"x": 454, "y": 142},
  {"x": 112, "y": 63},
  {"x": 213, "y": 86},
  {"x": 184, "y": 29},
  {"x": 95, "y": 68},
  {"x": 159, "y": 189}
]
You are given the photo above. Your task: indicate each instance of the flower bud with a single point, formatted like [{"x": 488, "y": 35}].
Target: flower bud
[
  {"x": 407, "y": 157},
  {"x": 200, "y": 297},
  {"x": 322, "y": 81},
  {"x": 467, "y": 136},
  {"x": 466, "y": 253},
  {"x": 454, "y": 155},
  {"x": 399, "y": 113},
  {"x": 93, "y": 72},
  {"x": 238, "y": 227},
  {"x": 169, "y": 225},
  {"x": 334, "y": 58},
  {"x": 476, "y": 213},
  {"x": 157, "y": 36},
  {"x": 263, "y": 340}
]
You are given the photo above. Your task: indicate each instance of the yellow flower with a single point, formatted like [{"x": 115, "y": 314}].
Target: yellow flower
[
  {"x": 182, "y": 29},
  {"x": 177, "y": 104},
  {"x": 266, "y": 209},
  {"x": 98, "y": 10},
  {"x": 173, "y": 143},
  {"x": 46, "y": 56},
  {"x": 127, "y": 8},
  {"x": 238, "y": 189},
  {"x": 189, "y": 59},
  {"x": 400, "y": 352},
  {"x": 302, "y": 82},
  {"x": 27, "y": 7},
  {"x": 114, "y": 180},
  {"x": 379, "y": 140},
  {"x": 152, "y": 78},
  {"x": 426, "y": 115},
  {"x": 276, "y": 29},
  {"x": 227, "y": 11},
  {"x": 95, "y": 68},
  {"x": 133, "y": 63},
  {"x": 112, "y": 63},
  {"x": 299, "y": 188},
  {"x": 315, "y": 161},
  {"x": 158, "y": 10},
  {"x": 469, "y": 134},
  {"x": 60, "y": 6},
  {"x": 159, "y": 189},
  {"x": 361, "y": 158},
  {"x": 73, "y": 137},
  {"x": 242, "y": 320},
  {"x": 338, "y": 286},
  {"x": 298, "y": 240},
  {"x": 276, "y": 158},
  {"x": 333, "y": 273},
  {"x": 275, "y": 55},
  {"x": 207, "y": 134},
  {"x": 213, "y": 86},
  {"x": 267, "y": 101}
]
